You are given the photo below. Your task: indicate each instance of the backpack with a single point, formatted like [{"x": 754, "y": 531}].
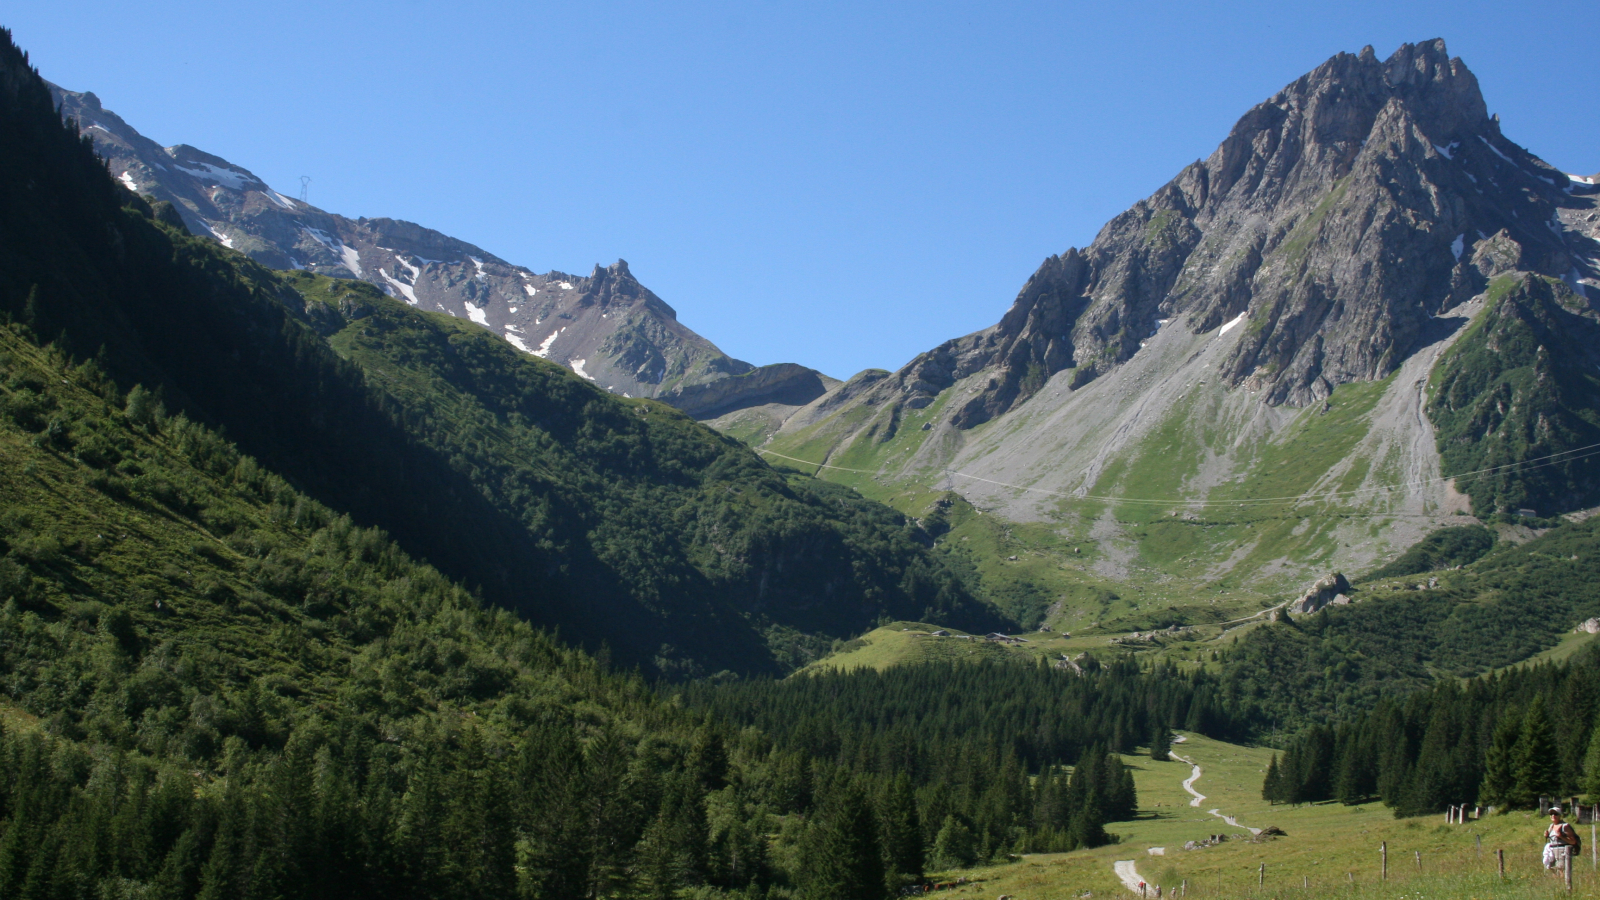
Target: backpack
[{"x": 1568, "y": 836}]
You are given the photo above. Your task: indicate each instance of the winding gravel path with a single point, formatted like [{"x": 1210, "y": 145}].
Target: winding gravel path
[
  {"x": 1126, "y": 869},
  {"x": 1188, "y": 785},
  {"x": 1130, "y": 876}
]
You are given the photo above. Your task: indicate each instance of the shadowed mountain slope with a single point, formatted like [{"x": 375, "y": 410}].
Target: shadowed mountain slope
[{"x": 615, "y": 520}]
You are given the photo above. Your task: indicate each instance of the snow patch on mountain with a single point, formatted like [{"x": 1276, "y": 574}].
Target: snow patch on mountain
[
  {"x": 351, "y": 258},
  {"x": 544, "y": 349},
  {"x": 217, "y": 175},
  {"x": 415, "y": 272},
  {"x": 404, "y": 289}
]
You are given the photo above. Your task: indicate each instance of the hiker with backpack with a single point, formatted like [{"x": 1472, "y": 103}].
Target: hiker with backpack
[{"x": 1561, "y": 841}]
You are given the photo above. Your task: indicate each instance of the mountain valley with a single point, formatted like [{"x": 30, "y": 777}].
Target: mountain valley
[{"x": 339, "y": 557}]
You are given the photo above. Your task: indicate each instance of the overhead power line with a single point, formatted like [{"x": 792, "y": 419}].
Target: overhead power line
[{"x": 1565, "y": 456}]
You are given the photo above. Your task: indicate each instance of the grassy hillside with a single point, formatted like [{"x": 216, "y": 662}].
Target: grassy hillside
[{"x": 910, "y": 643}]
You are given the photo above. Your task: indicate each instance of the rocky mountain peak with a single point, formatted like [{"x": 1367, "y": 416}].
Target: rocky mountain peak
[
  {"x": 1336, "y": 218},
  {"x": 607, "y": 328}
]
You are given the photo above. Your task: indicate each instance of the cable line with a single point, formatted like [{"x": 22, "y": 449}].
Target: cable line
[{"x": 1537, "y": 462}]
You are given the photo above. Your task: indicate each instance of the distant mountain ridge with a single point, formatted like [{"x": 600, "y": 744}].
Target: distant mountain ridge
[
  {"x": 605, "y": 326},
  {"x": 617, "y": 521},
  {"x": 1343, "y": 241}
]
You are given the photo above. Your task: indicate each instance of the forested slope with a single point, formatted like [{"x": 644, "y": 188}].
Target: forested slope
[
  {"x": 1400, "y": 636},
  {"x": 678, "y": 548},
  {"x": 215, "y": 686},
  {"x": 1502, "y": 741}
]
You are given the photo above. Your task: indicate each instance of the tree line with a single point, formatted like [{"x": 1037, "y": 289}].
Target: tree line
[
  {"x": 1503, "y": 740},
  {"x": 986, "y": 746}
]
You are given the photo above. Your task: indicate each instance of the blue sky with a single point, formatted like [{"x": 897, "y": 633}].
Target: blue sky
[{"x": 841, "y": 185}]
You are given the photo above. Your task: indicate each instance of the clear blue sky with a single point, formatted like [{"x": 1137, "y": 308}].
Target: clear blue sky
[{"x": 838, "y": 184}]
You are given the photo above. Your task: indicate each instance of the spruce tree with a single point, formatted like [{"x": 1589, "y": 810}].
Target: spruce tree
[
  {"x": 1358, "y": 772},
  {"x": 901, "y": 831},
  {"x": 954, "y": 847},
  {"x": 1161, "y": 742},
  {"x": 1536, "y": 765},
  {"x": 1499, "y": 785},
  {"x": 1591, "y": 766},
  {"x": 841, "y": 858},
  {"x": 1272, "y": 785},
  {"x": 1088, "y": 823}
]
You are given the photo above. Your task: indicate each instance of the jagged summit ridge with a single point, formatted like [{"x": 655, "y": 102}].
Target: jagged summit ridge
[
  {"x": 607, "y": 326},
  {"x": 1358, "y": 232},
  {"x": 1338, "y": 216}
]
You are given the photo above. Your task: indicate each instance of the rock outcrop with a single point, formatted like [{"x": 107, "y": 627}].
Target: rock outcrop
[
  {"x": 1330, "y": 590},
  {"x": 781, "y": 383}
]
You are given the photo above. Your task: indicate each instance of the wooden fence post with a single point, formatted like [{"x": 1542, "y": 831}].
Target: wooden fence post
[
  {"x": 1566, "y": 866},
  {"x": 1261, "y": 880},
  {"x": 1479, "y": 839},
  {"x": 1501, "y": 856},
  {"x": 1419, "y": 859},
  {"x": 1383, "y": 851}
]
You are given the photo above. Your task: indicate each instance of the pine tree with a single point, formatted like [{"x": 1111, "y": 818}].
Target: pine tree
[
  {"x": 1161, "y": 742},
  {"x": 1272, "y": 785},
  {"x": 842, "y": 859},
  {"x": 1536, "y": 765},
  {"x": 1499, "y": 785},
  {"x": 954, "y": 847},
  {"x": 1591, "y": 766}
]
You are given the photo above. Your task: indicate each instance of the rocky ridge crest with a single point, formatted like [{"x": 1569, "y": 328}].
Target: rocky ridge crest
[
  {"x": 1335, "y": 220},
  {"x": 606, "y": 326}
]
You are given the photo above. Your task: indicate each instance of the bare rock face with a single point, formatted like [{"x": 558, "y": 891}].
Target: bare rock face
[
  {"x": 606, "y": 327},
  {"x": 1333, "y": 223},
  {"x": 1331, "y": 589},
  {"x": 782, "y": 383},
  {"x": 1589, "y": 626}
]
